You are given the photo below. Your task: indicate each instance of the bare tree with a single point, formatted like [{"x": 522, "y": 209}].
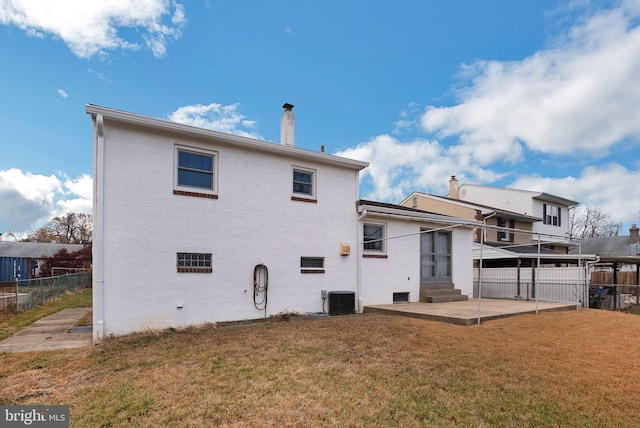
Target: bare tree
[
  {"x": 588, "y": 221},
  {"x": 73, "y": 228}
]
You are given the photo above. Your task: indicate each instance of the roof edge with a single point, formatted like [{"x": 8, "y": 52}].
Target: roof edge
[{"x": 225, "y": 138}]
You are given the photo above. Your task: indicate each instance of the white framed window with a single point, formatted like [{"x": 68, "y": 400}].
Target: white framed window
[
  {"x": 374, "y": 237},
  {"x": 303, "y": 183},
  {"x": 551, "y": 215},
  {"x": 311, "y": 264},
  {"x": 194, "y": 262},
  {"x": 196, "y": 171}
]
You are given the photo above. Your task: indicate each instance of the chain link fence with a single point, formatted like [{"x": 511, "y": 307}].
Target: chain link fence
[
  {"x": 28, "y": 293},
  {"x": 614, "y": 297}
]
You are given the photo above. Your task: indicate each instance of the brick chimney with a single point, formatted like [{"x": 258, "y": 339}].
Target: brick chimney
[
  {"x": 288, "y": 126},
  {"x": 633, "y": 234},
  {"x": 453, "y": 187}
]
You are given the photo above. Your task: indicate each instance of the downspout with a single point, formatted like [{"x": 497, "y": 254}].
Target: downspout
[
  {"x": 359, "y": 259},
  {"x": 98, "y": 233}
]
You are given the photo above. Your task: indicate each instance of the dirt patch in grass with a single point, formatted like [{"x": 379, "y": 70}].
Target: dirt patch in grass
[{"x": 575, "y": 368}]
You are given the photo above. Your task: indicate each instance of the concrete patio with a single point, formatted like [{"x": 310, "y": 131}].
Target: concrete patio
[{"x": 466, "y": 313}]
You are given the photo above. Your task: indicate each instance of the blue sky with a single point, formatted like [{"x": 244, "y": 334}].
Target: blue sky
[{"x": 540, "y": 95}]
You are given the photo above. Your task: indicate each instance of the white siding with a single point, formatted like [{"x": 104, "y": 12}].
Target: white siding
[
  {"x": 253, "y": 221},
  {"x": 518, "y": 201},
  {"x": 515, "y": 200}
]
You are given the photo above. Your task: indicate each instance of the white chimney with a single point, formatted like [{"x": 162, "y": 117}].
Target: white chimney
[
  {"x": 453, "y": 187},
  {"x": 288, "y": 126}
]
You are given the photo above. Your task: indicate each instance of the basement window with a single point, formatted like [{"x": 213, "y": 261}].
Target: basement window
[
  {"x": 311, "y": 264},
  {"x": 194, "y": 262},
  {"x": 401, "y": 297}
]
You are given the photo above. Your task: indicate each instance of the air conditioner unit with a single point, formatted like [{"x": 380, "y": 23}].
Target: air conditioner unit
[{"x": 342, "y": 302}]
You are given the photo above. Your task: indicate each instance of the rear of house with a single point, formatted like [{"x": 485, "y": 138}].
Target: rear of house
[{"x": 196, "y": 226}]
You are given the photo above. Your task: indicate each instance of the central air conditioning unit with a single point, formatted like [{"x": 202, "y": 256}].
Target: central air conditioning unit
[{"x": 342, "y": 302}]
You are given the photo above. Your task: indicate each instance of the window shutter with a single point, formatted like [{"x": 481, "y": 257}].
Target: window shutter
[
  {"x": 544, "y": 213},
  {"x": 559, "y": 211}
]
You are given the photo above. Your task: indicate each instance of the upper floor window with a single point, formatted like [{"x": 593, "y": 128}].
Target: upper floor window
[
  {"x": 551, "y": 214},
  {"x": 374, "y": 237},
  {"x": 502, "y": 234},
  {"x": 196, "y": 170},
  {"x": 304, "y": 183}
]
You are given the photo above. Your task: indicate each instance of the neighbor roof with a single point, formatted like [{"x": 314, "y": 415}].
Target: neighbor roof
[
  {"x": 34, "y": 250},
  {"x": 609, "y": 246}
]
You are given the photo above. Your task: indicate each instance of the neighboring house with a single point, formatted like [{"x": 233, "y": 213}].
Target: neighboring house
[
  {"x": 22, "y": 260},
  {"x": 529, "y": 214},
  {"x": 196, "y": 226}
]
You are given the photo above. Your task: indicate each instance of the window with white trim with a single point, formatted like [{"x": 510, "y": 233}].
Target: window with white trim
[
  {"x": 196, "y": 170},
  {"x": 194, "y": 262},
  {"x": 304, "y": 185},
  {"x": 551, "y": 215},
  {"x": 374, "y": 234}
]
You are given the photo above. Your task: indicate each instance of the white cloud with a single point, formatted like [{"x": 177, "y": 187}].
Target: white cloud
[
  {"x": 62, "y": 93},
  {"x": 29, "y": 200},
  {"x": 398, "y": 168},
  {"x": 216, "y": 117},
  {"x": 580, "y": 96},
  {"x": 90, "y": 27}
]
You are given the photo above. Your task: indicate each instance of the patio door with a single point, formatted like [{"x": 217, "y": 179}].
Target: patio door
[{"x": 435, "y": 257}]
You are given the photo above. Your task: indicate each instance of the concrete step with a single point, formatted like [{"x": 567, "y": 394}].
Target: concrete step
[
  {"x": 441, "y": 292},
  {"x": 446, "y": 298},
  {"x": 437, "y": 286}
]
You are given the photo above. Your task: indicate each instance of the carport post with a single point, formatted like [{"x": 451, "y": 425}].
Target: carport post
[
  {"x": 480, "y": 274},
  {"x": 537, "y": 276}
]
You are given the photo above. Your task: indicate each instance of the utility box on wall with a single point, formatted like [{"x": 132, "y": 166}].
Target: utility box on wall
[{"x": 342, "y": 302}]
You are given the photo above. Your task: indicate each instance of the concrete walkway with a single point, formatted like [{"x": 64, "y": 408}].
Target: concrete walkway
[
  {"x": 56, "y": 331},
  {"x": 466, "y": 313}
]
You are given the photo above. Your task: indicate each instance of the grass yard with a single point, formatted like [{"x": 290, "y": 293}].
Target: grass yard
[
  {"x": 564, "y": 369},
  {"x": 11, "y": 324}
]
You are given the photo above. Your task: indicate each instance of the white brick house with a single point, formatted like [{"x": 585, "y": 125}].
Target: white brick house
[{"x": 189, "y": 221}]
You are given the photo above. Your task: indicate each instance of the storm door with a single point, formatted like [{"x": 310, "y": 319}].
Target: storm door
[{"x": 435, "y": 257}]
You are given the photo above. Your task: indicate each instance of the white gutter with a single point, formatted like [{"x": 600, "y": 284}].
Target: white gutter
[
  {"x": 359, "y": 259},
  {"x": 98, "y": 233}
]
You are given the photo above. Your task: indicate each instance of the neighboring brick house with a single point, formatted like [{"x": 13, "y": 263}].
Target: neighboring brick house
[{"x": 195, "y": 226}]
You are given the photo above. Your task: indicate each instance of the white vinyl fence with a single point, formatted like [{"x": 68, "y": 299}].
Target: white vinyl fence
[{"x": 554, "y": 284}]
